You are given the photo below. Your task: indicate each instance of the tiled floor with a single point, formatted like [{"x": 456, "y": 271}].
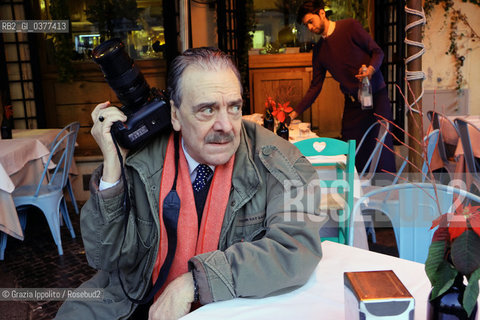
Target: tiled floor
[{"x": 35, "y": 263}]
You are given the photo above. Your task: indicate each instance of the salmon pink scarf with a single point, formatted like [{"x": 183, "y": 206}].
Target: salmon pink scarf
[{"x": 190, "y": 241}]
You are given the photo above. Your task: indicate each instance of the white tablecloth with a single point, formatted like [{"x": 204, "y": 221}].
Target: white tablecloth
[{"x": 322, "y": 297}]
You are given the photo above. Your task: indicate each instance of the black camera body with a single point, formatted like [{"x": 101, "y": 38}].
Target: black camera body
[
  {"x": 144, "y": 123},
  {"x": 147, "y": 109}
]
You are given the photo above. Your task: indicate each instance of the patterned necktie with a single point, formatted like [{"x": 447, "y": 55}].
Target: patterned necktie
[{"x": 203, "y": 173}]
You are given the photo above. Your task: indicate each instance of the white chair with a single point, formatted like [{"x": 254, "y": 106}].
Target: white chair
[{"x": 411, "y": 208}]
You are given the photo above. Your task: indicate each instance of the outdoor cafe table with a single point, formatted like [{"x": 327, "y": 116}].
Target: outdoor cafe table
[
  {"x": 322, "y": 297},
  {"x": 21, "y": 162}
]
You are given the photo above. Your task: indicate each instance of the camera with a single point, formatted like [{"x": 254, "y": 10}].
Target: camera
[{"x": 147, "y": 109}]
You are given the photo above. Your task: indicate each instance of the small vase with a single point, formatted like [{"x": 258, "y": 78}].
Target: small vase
[
  {"x": 448, "y": 306},
  {"x": 282, "y": 130},
  {"x": 269, "y": 123}
]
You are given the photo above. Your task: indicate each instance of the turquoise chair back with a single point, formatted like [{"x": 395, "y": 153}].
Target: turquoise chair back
[{"x": 344, "y": 178}]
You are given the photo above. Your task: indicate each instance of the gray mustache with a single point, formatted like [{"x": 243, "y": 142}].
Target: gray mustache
[{"x": 219, "y": 137}]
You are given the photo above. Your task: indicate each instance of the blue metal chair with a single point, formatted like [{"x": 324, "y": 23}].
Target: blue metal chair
[
  {"x": 430, "y": 141},
  {"x": 48, "y": 197},
  {"x": 466, "y": 130},
  {"x": 445, "y": 150},
  {"x": 342, "y": 186},
  {"x": 411, "y": 208},
  {"x": 71, "y": 127},
  {"x": 370, "y": 168}
]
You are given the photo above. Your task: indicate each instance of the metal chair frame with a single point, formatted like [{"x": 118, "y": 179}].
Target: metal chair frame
[
  {"x": 439, "y": 120},
  {"x": 465, "y": 130},
  {"x": 71, "y": 127},
  {"x": 411, "y": 209},
  {"x": 372, "y": 163}
]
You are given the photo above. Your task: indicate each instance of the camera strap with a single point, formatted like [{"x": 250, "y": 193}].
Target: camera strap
[{"x": 171, "y": 210}]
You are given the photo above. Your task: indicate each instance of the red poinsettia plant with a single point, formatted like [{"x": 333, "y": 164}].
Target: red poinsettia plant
[
  {"x": 455, "y": 250},
  {"x": 278, "y": 110}
]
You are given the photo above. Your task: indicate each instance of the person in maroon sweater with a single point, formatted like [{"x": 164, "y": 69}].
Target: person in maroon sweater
[{"x": 342, "y": 49}]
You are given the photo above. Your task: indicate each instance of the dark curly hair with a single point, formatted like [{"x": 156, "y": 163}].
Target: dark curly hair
[{"x": 310, "y": 6}]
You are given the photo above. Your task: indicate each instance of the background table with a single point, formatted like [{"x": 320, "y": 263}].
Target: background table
[
  {"x": 322, "y": 297},
  {"x": 21, "y": 163}
]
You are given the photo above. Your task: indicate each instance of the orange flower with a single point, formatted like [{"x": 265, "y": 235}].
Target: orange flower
[
  {"x": 466, "y": 214},
  {"x": 281, "y": 110},
  {"x": 458, "y": 222},
  {"x": 457, "y": 225},
  {"x": 475, "y": 223}
]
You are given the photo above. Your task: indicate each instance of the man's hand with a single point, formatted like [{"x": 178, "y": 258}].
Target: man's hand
[
  {"x": 175, "y": 301},
  {"x": 101, "y": 134},
  {"x": 369, "y": 73},
  {"x": 293, "y": 115}
]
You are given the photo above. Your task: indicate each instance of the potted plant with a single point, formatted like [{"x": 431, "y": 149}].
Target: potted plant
[
  {"x": 280, "y": 111},
  {"x": 454, "y": 254}
]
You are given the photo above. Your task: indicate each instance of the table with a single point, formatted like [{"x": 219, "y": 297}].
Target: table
[
  {"x": 21, "y": 163},
  {"x": 45, "y": 136},
  {"x": 322, "y": 297}
]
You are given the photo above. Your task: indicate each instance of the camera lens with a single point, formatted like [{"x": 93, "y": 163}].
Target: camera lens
[{"x": 121, "y": 73}]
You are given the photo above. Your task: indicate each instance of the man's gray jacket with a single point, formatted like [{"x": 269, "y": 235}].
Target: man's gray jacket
[{"x": 268, "y": 243}]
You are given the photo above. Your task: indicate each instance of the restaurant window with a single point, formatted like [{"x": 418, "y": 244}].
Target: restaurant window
[
  {"x": 139, "y": 24},
  {"x": 19, "y": 70},
  {"x": 276, "y": 28}
]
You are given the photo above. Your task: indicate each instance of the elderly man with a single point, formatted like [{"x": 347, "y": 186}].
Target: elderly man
[{"x": 236, "y": 235}]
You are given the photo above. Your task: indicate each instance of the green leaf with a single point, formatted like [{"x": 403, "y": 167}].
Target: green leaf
[
  {"x": 444, "y": 278},
  {"x": 466, "y": 253},
  {"x": 471, "y": 292},
  {"x": 436, "y": 253}
]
